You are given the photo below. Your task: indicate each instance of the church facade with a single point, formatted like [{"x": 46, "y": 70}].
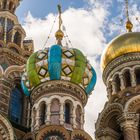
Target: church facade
[{"x": 42, "y": 94}]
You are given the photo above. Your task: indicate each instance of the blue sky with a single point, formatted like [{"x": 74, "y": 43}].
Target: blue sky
[{"x": 40, "y": 8}]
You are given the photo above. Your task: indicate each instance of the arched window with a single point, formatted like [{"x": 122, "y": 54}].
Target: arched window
[
  {"x": 16, "y": 104},
  {"x": 127, "y": 79},
  {"x": 17, "y": 38},
  {"x": 112, "y": 123},
  {"x": 67, "y": 113},
  {"x": 42, "y": 113},
  {"x": 117, "y": 83},
  {"x": 137, "y": 73}
]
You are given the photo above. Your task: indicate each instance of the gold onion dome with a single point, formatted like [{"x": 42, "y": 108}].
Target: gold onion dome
[{"x": 123, "y": 44}]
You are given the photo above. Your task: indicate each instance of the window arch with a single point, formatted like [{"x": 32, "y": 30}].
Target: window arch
[
  {"x": 127, "y": 78},
  {"x": 16, "y": 104},
  {"x": 137, "y": 73},
  {"x": 117, "y": 83},
  {"x": 42, "y": 113},
  {"x": 11, "y": 6},
  {"x": 112, "y": 123},
  {"x": 17, "y": 38},
  {"x": 67, "y": 112}
]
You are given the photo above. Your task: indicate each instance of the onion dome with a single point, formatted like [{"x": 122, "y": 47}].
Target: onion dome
[
  {"x": 121, "y": 45},
  {"x": 58, "y": 63}
]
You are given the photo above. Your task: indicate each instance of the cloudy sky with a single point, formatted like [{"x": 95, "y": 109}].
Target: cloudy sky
[{"x": 89, "y": 24}]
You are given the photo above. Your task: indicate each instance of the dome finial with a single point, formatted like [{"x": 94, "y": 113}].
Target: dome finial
[
  {"x": 129, "y": 24},
  {"x": 59, "y": 34}
]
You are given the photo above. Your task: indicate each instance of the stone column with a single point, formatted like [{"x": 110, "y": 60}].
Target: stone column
[
  {"x": 82, "y": 120},
  {"x": 122, "y": 81},
  {"x": 113, "y": 87},
  {"x": 109, "y": 90},
  {"x": 129, "y": 124},
  {"x": 37, "y": 119},
  {"x": 5, "y": 30},
  {"x": 61, "y": 113},
  {"x": 33, "y": 122},
  {"x": 21, "y": 43},
  {"x": 48, "y": 113},
  {"x": 133, "y": 78},
  {"x": 74, "y": 117},
  {"x": 13, "y": 35},
  {"x": 28, "y": 114}
]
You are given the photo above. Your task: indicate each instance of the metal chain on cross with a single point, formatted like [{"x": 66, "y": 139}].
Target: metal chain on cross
[
  {"x": 50, "y": 32},
  {"x": 129, "y": 24},
  {"x": 68, "y": 41}
]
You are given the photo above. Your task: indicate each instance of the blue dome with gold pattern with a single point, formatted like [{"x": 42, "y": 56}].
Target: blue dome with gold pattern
[{"x": 58, "y": 63}]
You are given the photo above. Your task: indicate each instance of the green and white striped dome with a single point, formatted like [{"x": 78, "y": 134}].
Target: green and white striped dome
[{"x": 58, "y": 63}]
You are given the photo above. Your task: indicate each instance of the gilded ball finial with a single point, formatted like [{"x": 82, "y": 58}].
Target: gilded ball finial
[
  {"x": 129, "y": 26},
  {"x": 59, "y": 35}
]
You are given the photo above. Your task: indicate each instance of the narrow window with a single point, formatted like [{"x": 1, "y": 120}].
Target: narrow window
[
  {"x": 16, "y": 103},
  {"x": 17, "y": 38},
  {"x": 42, "y": 113},
  {"x": 127, "y": 79},
  {"x": 117, "y": 83},
  {"x": 137, "y": 72},
  {"x": 67, "y": 113},
  {"x": 4, "y": 4},
  {"x": 10, "y": 6}
]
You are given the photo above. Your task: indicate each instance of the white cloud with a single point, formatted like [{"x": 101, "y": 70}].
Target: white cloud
[
  {"x": 117, "y": 23},
  {"x": 84, "y": 28}
]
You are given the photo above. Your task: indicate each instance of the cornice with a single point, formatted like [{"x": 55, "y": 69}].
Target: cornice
[
  {"x": 117, "y": 64},
  {"x": 59, "y": 86}
]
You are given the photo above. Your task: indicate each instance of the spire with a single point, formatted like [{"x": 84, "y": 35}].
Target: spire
[
  {"x": 129, "y": 24},
  {"x": 59, "y": 34}
]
